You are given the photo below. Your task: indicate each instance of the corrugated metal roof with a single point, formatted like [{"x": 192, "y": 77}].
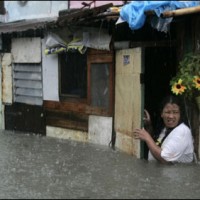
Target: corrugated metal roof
[
  {"x": 24, "y": 25},
  {"x": 81, "y": 17},
  {"x": 78, "y": 17}
]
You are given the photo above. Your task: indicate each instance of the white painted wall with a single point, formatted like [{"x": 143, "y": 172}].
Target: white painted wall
[
  {"x": 100, "y": 130},
  {"x": 50, "y": 75},
  {"x": 17, "y": 10}
]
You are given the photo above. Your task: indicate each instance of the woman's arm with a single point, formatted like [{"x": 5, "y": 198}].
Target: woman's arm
[{"x": 142, "y": 134}]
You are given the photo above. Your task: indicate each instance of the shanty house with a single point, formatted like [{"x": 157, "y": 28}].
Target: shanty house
[{"x": 86, "y": 74}]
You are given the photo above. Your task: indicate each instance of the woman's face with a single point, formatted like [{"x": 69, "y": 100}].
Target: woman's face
[{"x": 171, "y": 115}]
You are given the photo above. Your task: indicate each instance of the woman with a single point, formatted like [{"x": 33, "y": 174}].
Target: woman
[{"x": 174, "y": 142}]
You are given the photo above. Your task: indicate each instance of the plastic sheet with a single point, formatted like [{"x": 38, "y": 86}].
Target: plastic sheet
[{"x": 134, "y": 12}]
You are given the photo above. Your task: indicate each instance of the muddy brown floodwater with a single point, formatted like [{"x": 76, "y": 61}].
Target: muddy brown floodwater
[{"x": 39, "y": 167}]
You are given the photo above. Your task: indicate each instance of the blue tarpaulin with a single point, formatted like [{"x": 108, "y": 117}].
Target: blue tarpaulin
[{"x": 134, "y": 12}]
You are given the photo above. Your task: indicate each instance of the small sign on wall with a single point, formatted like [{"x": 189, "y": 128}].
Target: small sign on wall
[{"x": 126, "y": 59}]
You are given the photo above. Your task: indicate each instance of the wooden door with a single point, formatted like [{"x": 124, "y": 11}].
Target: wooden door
[{"x": 129, "y": 106}]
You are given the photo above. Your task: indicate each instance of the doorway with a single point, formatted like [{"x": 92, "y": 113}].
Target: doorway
[{"x": 160, "y": 67}]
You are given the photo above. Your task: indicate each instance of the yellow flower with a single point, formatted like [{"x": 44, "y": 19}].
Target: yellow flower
[
  {"x": 178, "y": 88},
  {"x": 196, "y": 81}
]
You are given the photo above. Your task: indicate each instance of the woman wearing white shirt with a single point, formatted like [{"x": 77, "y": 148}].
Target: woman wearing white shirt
[{"x": 174, "y": 142}]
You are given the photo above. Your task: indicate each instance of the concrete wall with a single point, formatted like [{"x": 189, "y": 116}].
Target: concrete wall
[
  {"x": 100, "y": 131},
  {"x": 50, "y": 75},
  {"x": 19, "y": 10}
]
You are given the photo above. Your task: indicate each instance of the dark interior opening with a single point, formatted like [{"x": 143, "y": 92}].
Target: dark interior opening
[{"x": 160, "y": 67}]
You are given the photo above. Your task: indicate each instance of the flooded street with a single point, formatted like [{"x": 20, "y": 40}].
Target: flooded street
[{"x": 39, "y": 167}]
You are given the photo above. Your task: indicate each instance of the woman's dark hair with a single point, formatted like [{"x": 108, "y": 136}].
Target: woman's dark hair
[{"x": 172, "y": 100}]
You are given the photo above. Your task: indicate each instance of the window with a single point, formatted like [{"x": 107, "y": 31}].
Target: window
[
  {"x": 100, "y": 81},
  {"x": 100, "y": 85},
  {"x": 87, "y": 81},
  {"x": 73, "y": 75}
]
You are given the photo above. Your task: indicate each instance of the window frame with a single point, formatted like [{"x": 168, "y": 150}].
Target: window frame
[
  {"x": 84, "y": 104},
  {"x": 66, "y": 97},
  {"x": 101, "y": 57}
]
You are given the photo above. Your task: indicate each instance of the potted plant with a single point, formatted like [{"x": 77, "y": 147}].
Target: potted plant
[{"x": 187, "y": 80}]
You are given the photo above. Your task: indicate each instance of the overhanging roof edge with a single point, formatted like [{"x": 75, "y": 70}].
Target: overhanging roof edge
[{"x": 24, "y": 25}]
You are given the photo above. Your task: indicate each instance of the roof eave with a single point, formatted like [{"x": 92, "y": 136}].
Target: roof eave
[{"x": 29, "y": 24}]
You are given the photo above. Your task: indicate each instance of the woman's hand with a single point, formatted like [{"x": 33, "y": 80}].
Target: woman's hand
[{"x": 141, "y": 134}]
